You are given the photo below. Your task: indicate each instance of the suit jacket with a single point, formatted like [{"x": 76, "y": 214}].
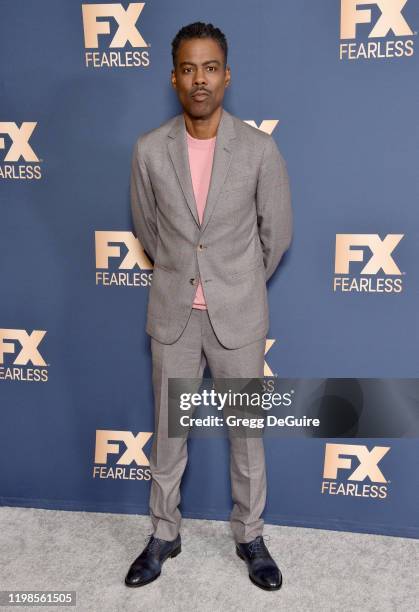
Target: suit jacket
[{"x": 246, "y": 228}]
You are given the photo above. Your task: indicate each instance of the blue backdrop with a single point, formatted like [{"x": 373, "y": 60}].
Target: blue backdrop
[{"x": 337, "y": 85}]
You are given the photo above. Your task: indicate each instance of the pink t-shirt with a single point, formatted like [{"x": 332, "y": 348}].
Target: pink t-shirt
[{"x": 201, "y": 154}]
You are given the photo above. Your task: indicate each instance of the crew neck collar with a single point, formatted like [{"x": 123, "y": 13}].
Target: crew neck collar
[{"x": 200, "y": 143}]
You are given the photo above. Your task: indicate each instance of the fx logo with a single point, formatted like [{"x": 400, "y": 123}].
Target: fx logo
[
  {"x": 368, "y": 461},
  {"x": 125, "y": 18},
  {"x": 134, "y": 446},
  {"x": 20, "y": 146},
  {"x": 267, "y": 370},
  {"x": 381, "y": 252},
  {"x": 29, "y": 343},
  {"x": 134, "y": 256},
  {"x": 267, "y": 125},
  {"x": 391, "y": 18}
]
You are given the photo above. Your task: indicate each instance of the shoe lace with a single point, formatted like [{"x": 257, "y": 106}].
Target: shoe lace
[
  {"x": 152, "y": 543},
  {"x": 257, "y": 547}
]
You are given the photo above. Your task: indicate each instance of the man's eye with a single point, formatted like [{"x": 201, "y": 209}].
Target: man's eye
[
  {"x": 211, "y": 68},
  {"x": 186, "y": 69}
]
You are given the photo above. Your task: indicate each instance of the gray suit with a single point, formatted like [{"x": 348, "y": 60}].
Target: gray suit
[{"x": 246, "y": 228}]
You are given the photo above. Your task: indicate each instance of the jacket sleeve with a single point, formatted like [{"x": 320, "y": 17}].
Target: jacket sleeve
[
  {"x": 273, "y": 203},
  {"x": 143, "y": 204}
]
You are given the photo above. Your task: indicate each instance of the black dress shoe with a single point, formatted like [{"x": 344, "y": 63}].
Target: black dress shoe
[
  {"x": 147, "y": 566},
  {"x": 263, "y": 571}
]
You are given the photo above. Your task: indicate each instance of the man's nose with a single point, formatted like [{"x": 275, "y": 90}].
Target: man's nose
[{"x": 200, "y": 78}]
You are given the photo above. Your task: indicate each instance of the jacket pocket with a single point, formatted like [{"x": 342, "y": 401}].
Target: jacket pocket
[
  {"x": 251, "y": 268},
  {"x": 235, "y": 183},
  {"x": 165, "y": 268}
]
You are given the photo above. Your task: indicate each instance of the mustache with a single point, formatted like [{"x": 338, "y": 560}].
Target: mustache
[{"x": 199, "y": 89}]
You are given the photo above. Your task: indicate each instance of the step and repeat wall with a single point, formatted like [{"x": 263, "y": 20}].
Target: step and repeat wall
[{"x": 336, "y": 84}]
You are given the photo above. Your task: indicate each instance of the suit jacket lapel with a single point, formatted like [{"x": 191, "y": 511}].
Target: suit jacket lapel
[
  {"x": 224, "y": 146},
  {"x": 178, "y": 150}
]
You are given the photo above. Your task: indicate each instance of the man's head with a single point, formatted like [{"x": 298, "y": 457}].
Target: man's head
[{"x": 200, "y": 72}]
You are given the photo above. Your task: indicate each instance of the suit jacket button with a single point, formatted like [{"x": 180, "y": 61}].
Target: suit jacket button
[
  {"x": 192, "y": 281},
  {"x": 200, "y": 247}
]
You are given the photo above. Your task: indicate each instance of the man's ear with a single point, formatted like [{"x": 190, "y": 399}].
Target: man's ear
[
  {"x": 173, "y": 78},
  {"x": 228, "y": 76}
]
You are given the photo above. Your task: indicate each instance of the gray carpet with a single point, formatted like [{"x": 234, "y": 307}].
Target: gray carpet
[{"x": 90, "y": 553}]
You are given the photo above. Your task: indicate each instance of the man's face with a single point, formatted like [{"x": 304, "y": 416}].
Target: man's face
[{"x": 199, "y": 76}]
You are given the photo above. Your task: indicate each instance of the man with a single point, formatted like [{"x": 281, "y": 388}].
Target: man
[{"x": 211, "y": 207}]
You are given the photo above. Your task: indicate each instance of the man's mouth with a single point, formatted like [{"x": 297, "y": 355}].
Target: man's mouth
[{"x": 200, "y": 95}]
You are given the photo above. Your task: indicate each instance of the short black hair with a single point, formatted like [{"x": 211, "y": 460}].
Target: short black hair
[{"x": 198, "y": 29}]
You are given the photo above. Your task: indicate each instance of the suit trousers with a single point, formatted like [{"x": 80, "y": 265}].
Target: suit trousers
[{"x": 186, "y": 358}]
